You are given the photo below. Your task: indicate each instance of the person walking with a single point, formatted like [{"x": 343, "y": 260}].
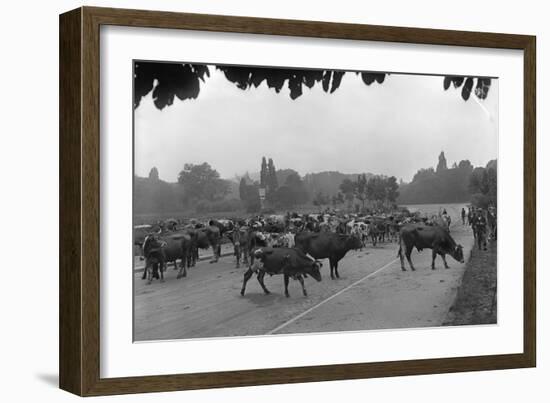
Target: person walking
[{"x": 480, "y": 229}]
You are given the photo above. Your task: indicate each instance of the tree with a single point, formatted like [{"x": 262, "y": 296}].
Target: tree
[
  {"x": 285, "y": 197},
  {"x": 465, "y": 165},
  {"x": 182, "y": 80},
  {"x": 483, "y": 181},
  {"x": 251, "y": 198},
  {"x": 361, "y": 189},
  {"x": 442, "y": 164},
  {"x": 202, "y": 182},
  {"x": 347, "y": 187},
  {"x": 376, "y": 188},
  {"x": 154, "y": 174},
  {"x": 467, "y": 83},
  {"x": 321, "y": 199},
  {"x": 242, "y": 189},
  {"x": 263, "y": 174},
  {"x": 391, "y": 189},
  {"x": 271, "y": 179},
  {"x": 291, "y": 193},
  {"x": 424, "y": 173}
]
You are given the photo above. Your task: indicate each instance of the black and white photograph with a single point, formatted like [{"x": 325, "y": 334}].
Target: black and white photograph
[{"x": 289, "y": 200}]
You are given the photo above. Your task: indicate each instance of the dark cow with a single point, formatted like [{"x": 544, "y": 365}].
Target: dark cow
[
  {"x": 204, "y": 238},
  {"x": 167, "y": 248},
  {"x": 434, "y": 237},
  {"x": 290, "y": 262},
  {"x": 377, "y": 230},
  {"x": 225, "y": 226},
  {"x": 240, "y": 238},
  {"x": 154, "y": 258},
  {"x": 394, "y": 227},
  {"x": 327, "y": 245},
  {"x": 140, "y": 233}
]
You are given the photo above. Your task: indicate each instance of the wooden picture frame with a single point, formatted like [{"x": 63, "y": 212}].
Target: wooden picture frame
[{"x": 79, "y": 282}]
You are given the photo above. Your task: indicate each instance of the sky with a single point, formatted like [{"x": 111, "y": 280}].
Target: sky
[{"x": 393, "y": 129}]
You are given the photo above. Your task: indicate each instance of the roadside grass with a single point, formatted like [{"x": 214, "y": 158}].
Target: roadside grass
[{"x": 476, "y": 299}]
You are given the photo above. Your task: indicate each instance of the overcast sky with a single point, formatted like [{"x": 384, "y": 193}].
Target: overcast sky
[{"x": 393, "y": 128}]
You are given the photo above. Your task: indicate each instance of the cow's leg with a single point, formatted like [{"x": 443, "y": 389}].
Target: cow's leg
[
  {"x": 176, "y": 264},
  {"x": 149, "y": 271},
  {"x": 183, "y": 268},
  {"x": 336, "y": 268},
  {"x": 331, "y": 264},
  {"x": 215, "y": 251},
  {"x": 245, "y": 254},
  {"x": 246, "y": 277},
  {"x": 400, "y": 254},
  {"x": 261, "y": 275},
  {"x": 479, "y": 239},
  {"x": 444, "y": 260},
  {"x": 161, "y": 268},
  {"x": 237, "y": 255},
  {"x": 434, "y": 254},
  {"x": 155, "y": 270},
  {"x": 301, "y": 280},
  {"x": 408, "y": 256},
  {"x": 286, "y": 278},
  {"x": 144, "y": 276}
]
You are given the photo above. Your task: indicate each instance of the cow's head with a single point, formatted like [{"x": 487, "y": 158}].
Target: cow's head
[
  {"x": 354, "y": 242},
  {"x": 314, "y": 270},
  {"x": 458, "y": 254},
  {"x": 152, "y": 243}
]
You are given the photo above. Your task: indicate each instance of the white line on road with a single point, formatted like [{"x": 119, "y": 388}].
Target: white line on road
[{"x": 343, "y": 290}]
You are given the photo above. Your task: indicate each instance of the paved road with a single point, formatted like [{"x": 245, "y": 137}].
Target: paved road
[{"x": 372, "y": 293}]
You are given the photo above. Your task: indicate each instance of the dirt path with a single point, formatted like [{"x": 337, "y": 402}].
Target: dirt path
[
  {"x": 372, "y": 293},
  {"x": 392, "y": 299}
]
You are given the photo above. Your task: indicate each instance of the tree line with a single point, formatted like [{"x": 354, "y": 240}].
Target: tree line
[
  {"x": 461, "y": 183},
  {"x": 199, "y": 187}
]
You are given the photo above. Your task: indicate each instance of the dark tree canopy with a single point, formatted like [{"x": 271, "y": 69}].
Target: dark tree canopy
[
  {"x": 444, "y": 185},
  {"x": 182, "y": 80},
  {"x": 202, "y": 182},
  {"x": 442, "y": 164},
  {"x": 167, "y": 80},
  {"x": 154, "y": 174},
  {"x": 467, "y": 83}
]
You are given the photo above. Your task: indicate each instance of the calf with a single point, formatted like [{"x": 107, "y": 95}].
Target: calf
[{"x": 289, "y": 262}]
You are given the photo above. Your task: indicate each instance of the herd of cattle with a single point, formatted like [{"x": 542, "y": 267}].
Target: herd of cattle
[{"x": 291, "y": 245}]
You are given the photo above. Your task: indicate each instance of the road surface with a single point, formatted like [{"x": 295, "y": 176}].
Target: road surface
[{"x": 372, "y": 293}]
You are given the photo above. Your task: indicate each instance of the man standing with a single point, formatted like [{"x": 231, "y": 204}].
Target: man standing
[
  {"x": 463, "y": 215},
  {"x": 480, "y": 229}
]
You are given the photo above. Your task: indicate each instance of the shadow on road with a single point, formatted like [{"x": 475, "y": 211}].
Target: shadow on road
[{"x": 261, "y": 300}]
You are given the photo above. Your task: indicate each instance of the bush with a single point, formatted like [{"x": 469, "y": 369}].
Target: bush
[{"x": 480, "y": 200}]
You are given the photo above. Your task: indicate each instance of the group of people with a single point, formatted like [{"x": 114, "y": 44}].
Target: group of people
[{"x": 483, "y": 223}]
